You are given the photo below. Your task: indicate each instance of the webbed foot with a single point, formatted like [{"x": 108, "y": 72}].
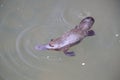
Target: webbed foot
[
  {"x": 90, "y": 33},
  {"x": 70, "y": 53}
]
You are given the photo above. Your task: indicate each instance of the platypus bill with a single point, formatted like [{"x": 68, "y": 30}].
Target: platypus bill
[{"x": 70, "y": 38}]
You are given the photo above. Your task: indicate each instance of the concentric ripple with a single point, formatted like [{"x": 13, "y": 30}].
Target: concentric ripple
[
  {"x": 71, "y": 16},
  {"x": 21, "y": 56},
  {"x": 35, "y": 35},
  {"x": 32, "y": 36},
  {"x": 19, "y": 46},
  {"x": 26, "y": 42}
]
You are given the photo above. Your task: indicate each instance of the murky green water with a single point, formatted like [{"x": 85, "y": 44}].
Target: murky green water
[{"x": 26, "y": 23}]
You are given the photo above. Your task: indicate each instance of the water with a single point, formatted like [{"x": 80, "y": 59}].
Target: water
[{"x": 26, "y": 23}]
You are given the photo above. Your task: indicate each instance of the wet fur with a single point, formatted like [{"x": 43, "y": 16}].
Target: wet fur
[{"x": 72, "y": 37}]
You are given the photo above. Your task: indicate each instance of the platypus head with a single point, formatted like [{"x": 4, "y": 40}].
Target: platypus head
[{"x": 86, "y": 23}]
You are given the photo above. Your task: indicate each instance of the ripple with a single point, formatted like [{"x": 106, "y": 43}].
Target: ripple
[
  {"x": 73, "y": 16},
  {"x": 68, "y": 16},
  {"x": 25, "y": 44},
  {"x": 34, "y": 35},
  {"x": 20, "y": 53}
]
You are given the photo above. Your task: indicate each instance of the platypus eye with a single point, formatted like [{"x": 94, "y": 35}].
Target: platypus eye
[
  {"x": 52, "y": 39},
  {"x": 51, "y": 45}
]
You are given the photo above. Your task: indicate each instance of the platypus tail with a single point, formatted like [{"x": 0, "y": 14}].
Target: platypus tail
[
  {"x": 41, "y": 47},
  {"x": 86, "y": 23}
]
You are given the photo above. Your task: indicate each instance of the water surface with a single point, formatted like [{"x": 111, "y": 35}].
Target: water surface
[{"x": 26, "y": 23}]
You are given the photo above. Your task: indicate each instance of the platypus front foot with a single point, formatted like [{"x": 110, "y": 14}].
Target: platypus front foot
[
  {"x": 69, "y": 53},
  {"x": 90, "y": 33}
]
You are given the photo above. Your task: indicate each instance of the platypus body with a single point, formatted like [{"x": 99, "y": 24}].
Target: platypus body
[{"x": 70, "y": 38}]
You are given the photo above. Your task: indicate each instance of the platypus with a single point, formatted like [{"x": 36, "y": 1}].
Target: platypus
[{"x": 70, "y": 38}]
